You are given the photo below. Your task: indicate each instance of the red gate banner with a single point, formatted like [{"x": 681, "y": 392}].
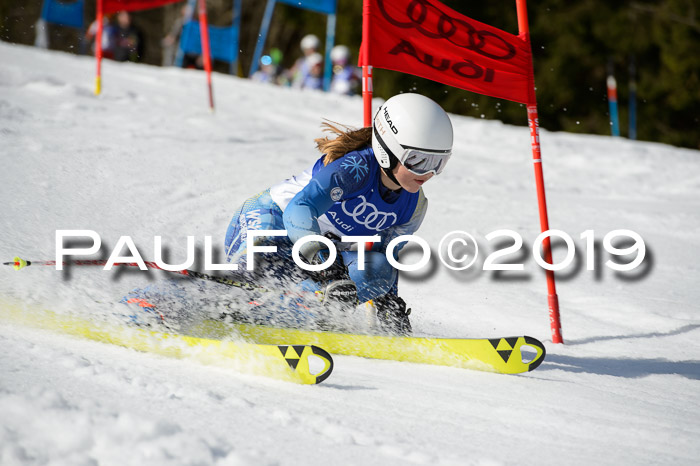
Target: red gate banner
[
  {"x": 112, "y": 6},
  {"x": 427, "y": 39}
]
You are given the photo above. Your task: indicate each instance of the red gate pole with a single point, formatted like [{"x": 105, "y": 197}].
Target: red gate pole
[
  {"x": 98, "y": 49},
  {"x": 367, "y": 89},
  {"x": 533, "y": 123},
  {"x": 366, "y": 67},
  {"x": 206, "y": 52}
]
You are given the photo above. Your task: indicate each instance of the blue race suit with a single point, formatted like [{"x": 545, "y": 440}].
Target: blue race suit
[{"x": 345, "y": 198}]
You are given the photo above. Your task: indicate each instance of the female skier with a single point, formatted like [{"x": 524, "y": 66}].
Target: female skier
[{"x": 366, "y": 183}]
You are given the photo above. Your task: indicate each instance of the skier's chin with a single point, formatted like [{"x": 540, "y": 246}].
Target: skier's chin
[{"x": 411, "y": 187}]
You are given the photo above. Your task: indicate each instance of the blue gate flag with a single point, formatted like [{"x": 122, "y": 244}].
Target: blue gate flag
[
  {"x": 223, "y": 41},
  {"x": 320, "y": 6},
  {"x": 65, "y": 13}
]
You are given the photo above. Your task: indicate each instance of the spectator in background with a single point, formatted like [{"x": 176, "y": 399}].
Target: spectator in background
[
  {"x": 300, "y": 71},
  {"x": 280, "y": 76},
  {"x": 107, "y": 36},
  {"x": 266, "y": 73},
  {"x": 171, "y": 41},
  {"x": 271, "y": 69},
  {"x": 346, "y": 77},
  {"x": 128, "y": 41},
  {"x": 314, "y": 78},
  {"x": 193, "y": 61}
]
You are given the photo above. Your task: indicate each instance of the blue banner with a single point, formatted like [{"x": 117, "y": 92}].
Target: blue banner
[
  {"x": 222, "y": 40},
  {"x": 65, "y": 13},
  {"x": 321, "y": 6}
]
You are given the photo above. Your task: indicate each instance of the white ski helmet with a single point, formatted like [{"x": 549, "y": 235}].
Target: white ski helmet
[
  {"x": 340, "y": 54},
  {"x": 412, "y": 130},
  {"x": 314, "y": 59},
  {"x": 310, "y": 42}
]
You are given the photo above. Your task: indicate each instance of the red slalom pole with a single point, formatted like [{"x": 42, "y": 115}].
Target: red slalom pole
[
  {"x": 18, "y": 264},
  {"x": 533, "y": 123},
  {"x": 98, "y": 48},
  {"x": 206, "y": 52},
  {"x": 367, "y": 94},
  {"x": 367, "y": 88}
]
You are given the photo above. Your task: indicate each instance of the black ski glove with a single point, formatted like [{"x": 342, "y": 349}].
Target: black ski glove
[{"x": 318, "y": 254}]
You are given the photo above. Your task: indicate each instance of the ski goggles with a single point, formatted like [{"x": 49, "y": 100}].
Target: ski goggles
[
  {"x": 420, "y": 162},
  {"x": 416, "y": 160}
]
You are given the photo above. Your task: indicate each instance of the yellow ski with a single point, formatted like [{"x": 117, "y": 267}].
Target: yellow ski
[
  {"x": 280, "y": 361},
  {"x": 503, "y": 355}
]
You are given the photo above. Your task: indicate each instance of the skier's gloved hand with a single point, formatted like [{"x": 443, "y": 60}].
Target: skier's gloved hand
[
  {"x": 310, "y": 251},
  {"x": 315, "y": 252},
  {"x": 393, "y": 315}
]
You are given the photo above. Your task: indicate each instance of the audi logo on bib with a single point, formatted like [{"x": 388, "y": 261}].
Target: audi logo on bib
[{"x": 366, "y": 214}]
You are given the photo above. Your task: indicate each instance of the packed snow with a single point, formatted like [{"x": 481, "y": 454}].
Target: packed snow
[{"x": 148, "y": 158}]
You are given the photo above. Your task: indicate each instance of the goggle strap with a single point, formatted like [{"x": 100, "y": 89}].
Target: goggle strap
[
  {"x": 389, "y": 172},
  {"x": 393, "y": 160}
]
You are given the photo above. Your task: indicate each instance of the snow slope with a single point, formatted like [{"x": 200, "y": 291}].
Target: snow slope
[{"x": 148, "y": 158}]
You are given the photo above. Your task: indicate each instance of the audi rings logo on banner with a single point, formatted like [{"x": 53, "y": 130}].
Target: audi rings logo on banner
[
  {"x": 366, "y": 214},
  {"x": 449, "y": 28}
]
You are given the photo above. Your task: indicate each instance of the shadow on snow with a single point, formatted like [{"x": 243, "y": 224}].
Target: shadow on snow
[
  {"x": 625, "y": 367},
  {"x": 622, "y": 367}
]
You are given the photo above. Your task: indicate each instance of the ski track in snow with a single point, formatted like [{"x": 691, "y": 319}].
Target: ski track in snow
[{"x": 147, "y": 158}]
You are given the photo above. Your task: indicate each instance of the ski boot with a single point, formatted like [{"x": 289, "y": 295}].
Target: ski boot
[
  {"x": 393, "y": 315},
  {"x": 339, "y": 295}
]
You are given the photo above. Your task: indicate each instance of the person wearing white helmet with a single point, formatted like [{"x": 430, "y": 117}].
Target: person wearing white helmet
[
  {"x": 412, "y": 135},
  {"x": 368, "y": 182},
  {"x": 302, "y": 68},
  {"x": 310, "y": 44},
  {"x": 313, "y": 78},
  {"x": 340, "y": 55},
  {"x": 346, "y": 76}
]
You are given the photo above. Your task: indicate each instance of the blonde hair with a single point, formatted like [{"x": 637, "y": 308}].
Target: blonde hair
[{"x": 347, "y": 140}]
